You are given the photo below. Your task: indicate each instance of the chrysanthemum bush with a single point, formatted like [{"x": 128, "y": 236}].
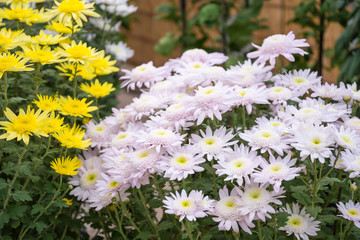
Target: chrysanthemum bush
[
  {"x": 205, "y": 152},
  {"x": 52, "y": 82}
]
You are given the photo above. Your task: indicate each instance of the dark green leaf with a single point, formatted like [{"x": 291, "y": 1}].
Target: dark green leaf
[{"x": 21, "y": 196}]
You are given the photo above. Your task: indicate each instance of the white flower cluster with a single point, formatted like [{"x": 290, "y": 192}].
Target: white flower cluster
[{"x": 163, "y": 132}]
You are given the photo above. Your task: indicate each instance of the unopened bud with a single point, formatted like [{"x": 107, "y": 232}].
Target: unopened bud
[{"x": 353, "y": 187}]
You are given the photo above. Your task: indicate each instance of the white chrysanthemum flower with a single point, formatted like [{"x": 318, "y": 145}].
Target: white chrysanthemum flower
[
  {"x": 177, "y": 115},
  {"x": 99, "y": 201},
  {"x": 327, "y": 91},
  {"x": 300, "y": 81},
  {"x": 351, "y": 163},
  {"x": 98, "y": 133},
  {"x": 203, "y": 76},
  {"x": 145, "y": 105},
  {"x": 145, "y": 74},
  {"x": 238, "y": 165},
  {"x": 227, "y": 212},
  {"x": 105, "y": 24},
  {"x": 350, "y": 211},
  {"x": 124, "y": 139},
  {"x": 254, "y": 201},
  {"x": 265, "y": 139},
  {"x": 249, "y": 96},
  {"x": 209, "y": 102},
  {"x": 353, "y": 123},
  {"x": 119, "y": 9},
  {"x": 160, "y": 138},
  {"x": 314, "y": 141},
  {"x": 108, "y": 186},
  {"x": 214, "y": 145},
  {"x": 185, "y": 206},
  {"x": 276, "y": 170},
  {"x": 181, "y": 162},
  {"x": 117, "y": 119},
  {"x": 89, "y": 173},
  {"x": 120, "y": 51},
  {"x": 299, "y": 223},
  {"x": 248, "y": 74},
  {"x": 277, "y": 45},
  {"x": 347, "y": 138},
  {"x": 279, "y": 95},
  {"x": 274, "y": 123}
]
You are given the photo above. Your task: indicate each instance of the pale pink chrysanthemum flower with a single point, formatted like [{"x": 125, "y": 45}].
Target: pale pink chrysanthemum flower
[
  {"x": 145, "y": 105},
  {"x": 299, "y": 222},
  {"x": 249, "y": 96},
  {"x": 118, "y": 119},
  {"x": 351, "y": 163},
  {"x": 238, "y": 165},
  {"x": 89, "y": 173},
  {"x": 177, "y": 115},
  {"x": 275, "y": 123},
  {"x": 145, "y": 74},
  {"x": 276, "y": 170},
  {"x": 142, "y": 161},
  {"x": 213, "y": 145},
  {"x": 300, "y": 81},
  {"x": 254, "y": 201},
  {"x": 98, "y": 133},
  {"x": 266, "y": 139},
  {"x": 112, "y": 158},
  {"x": 124, "y": 139},
  {"x": 313, "y": 141},
  {"x": 350, "y": 211},
  {"x": 108, "y": 186},
  {"x": 355, "y": 92},
  {"x": 181, "y": 162},
  {"x": 185, "y": 206},
  {"x": 203, "y": 76},
  {"x": 327, "y": 91},
  {"x": 209, "y": 102},
  {"x": 248, "y": 74},
  {"x": 347, "y": 92},
  {"x": 280, "y": 95},
  {"x": 204, "y": 202},
  {"x": 99, "y": 201},
  {"x": 347, "y": 138},
  {"x": 353, "y": 123},
  {"x": 159, "y": 138},
  {"x": 276, "y": 45},
  {"x": 226, "y": 212}
]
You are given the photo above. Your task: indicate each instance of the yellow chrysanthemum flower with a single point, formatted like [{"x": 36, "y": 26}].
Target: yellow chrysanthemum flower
[
  {"x": 42, "y": 54},
  {"x": 97, "y": 89},
  {"x": 66, "y": 166},
  {"x": 19, "y": 3},
  {"x": 76, "y": 10},
  {"x": 85, "y": 71},
  {"x": 53, "y": 124},
  {"x": 72, "y": 138},
  {"x": 13, "y": 63},
  {"x": 11, "y": 39},
  {"x": 103, "y": 65},
  {"x": 68, "y": 201},
  {"x": 45, "y": 39},
  {"x": 38, "y": 16},
  {"x": 50, "y": 103},
  {"x": 75, "y": 107},
  {"x": 78, "y": 52},
  {"x": 19, "y": 14},
  {"x": 23, "y": 125},
  {"x": 61, "y": 28}
]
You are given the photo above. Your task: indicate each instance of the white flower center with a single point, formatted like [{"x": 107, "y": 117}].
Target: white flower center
[{"x": 211, "y": 144}]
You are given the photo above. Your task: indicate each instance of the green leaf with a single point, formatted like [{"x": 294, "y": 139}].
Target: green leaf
[
  {"x": 3, "y": 184},
  {"x": 314, "y": 211},
  {"x": 37, "y": 208},
  {"x": 302, "y": 197},
  {"x": 17, "y": 211},
  {"x": 145, "y": 235},
  {"x": 166, "y": 44},
  {"x": 164, "y": 226},
  {"x": 209, "y": 13},
  {"x": 4, "y": 219},
  {"x": 329, "y": 180},
  {"x": 39, "y": 226},
  {"x": 15, "y": 224},
  {"x": 21, "y": 196}
]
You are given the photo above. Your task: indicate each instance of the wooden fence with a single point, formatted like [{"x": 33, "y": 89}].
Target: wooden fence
[{"x": 146, "y": 31}]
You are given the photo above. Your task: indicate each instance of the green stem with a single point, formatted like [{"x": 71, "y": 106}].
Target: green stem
[
  {"x": 103, "y": 227},
  {"x": 13, "y": 180},
  {"x": 214, "y": 178},
  {"x": 142, "y": 199},
  {"x": 259, "y": 230},
  {"x": 333, "y": 167},
  {"x": 315, "y": 185},
  {"x": 243, "y": 118},
  {"x": 187, "y": 228}
]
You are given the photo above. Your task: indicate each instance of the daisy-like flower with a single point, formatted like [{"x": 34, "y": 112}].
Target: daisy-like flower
[
  {"x": 299, "y": 222},
  {"x": 214, "y": 145},
  {"x": 266, "y": 139},
  {"x": 46, "y": 39},
  {"x": 181, "y": 162},
  {"x": 13, "y": 63},
  {"x": 78, "y": 52},
  {"x": 145, "y": 74},
  {"x": 66, "y": 166},
  {"x": 227, "y": 212},
  {"x": 53, "y": 124},
  {"x": 350, "y": 211},
  {"x": 11, "y": 39},
  {"x": 276, "y": 45},
  {"x": 254, "y": 201},
  {"x": 98, "y": 133},
  {"x": 347, "y": 138},
  {"x": 351, "y": 163},
  {"x": 185, "y": 206},
  {"x": 72, "y": 137},
  {"x": 75, "y": 107},
  {"x": 43, "y": 55},
  {"x": 160, "y": 138},
  {"x": 97, "y": 89},
  {"x": 327, "y": 91},
  {"x": 71, "y": 70},
  {"x": 120, "y": 51},
  {"x": 145, "y": 105},
  {"x": 314, "y": 141},
  {"x": 249, "y": 96},
  {"x": 176, "y": 115},
  {"x": 24, "y": 125},
  {"x": 61, "y": 28},
  {"x": 49, "y": 103},
  {"x": 279, "y": 95},
  {"x": 353, "y": 123},
  {"x": 19, "y": 3},
  {"x": 76, "y": 10},
  {"x": 103, "y": 65},
  {"x": 300, "y": 81},
  {"x": 276, "y": 170},
  {"x": 107, "y": 186},
  {"x": 238, "y": 165}
]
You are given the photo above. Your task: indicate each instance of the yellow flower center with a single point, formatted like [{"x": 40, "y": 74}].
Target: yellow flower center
[
  {"x": 144, "y": 155},
  {"x": 161, "y": 132},
  {"x": 113, "y": 184},
  {"x": 230, "y": 204},
  {"x": 7, "y": 62},
  {"x": 299, "y": 80},
  {"x": 5, "y": 40},
  {"x": 276, "y": 168},
  {"x": 210, "y": 141},
  {"x": 40, "y": 56},
  {"x": 78, "y": 51},
  {"x": 121, "y": 136},
  {"x": 255, "y": 194},
  {"x": 71, "y": 6},
  {"x": 25, "y": 123},
  {"x": 316, "y": 141},
  {"x": 100, "y": 63},
  {"x": 266, "y": 134},
  {"x": 278, "y": 89},
  {"x": 208, "y": 91},
  {"x": 242, "y": 92},
  {"x": 353, "y": 212},
  {"x": 185, "y": 203},
  {"x": 295, "y": 221},
  {"x": 182, "y": 160},
  {"x": 91, "y": 177},
  {"x": 346, "y": 139}
]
